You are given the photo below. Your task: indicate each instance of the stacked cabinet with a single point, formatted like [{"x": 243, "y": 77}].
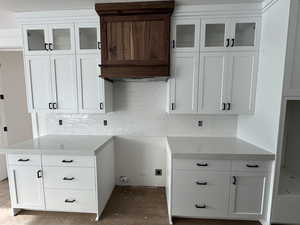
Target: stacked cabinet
[
  {"x": 214, "y": 65},
  {"x": 62, "y": 72}
]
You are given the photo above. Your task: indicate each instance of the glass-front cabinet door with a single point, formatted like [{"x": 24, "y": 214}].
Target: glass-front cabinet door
[
  {"x": 245, "y": 33},
  {"x": 61, "y": 39},
  {"x": 185, "y": 34},
  {"x": 215, "y": 34},
  {"x": 88, "y": 38},
  {"x": 35, "y": 39}
]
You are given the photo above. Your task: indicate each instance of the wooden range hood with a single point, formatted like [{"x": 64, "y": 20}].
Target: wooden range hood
[{"x": 135, "y": 39}]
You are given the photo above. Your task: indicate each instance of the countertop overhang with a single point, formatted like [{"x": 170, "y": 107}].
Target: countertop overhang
[
  {"x": 60, "y": 145},
  {"x": 222, "y": 148}
]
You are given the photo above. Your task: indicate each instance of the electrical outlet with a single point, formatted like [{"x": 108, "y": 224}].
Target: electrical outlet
[
  {"x": 200, "y": 123},
  {"x": 105, "y": 122},
  {"x": 60, "y": 122},
  {"x": 123, "y": 180},
  {"x": 158, "y": 172}
]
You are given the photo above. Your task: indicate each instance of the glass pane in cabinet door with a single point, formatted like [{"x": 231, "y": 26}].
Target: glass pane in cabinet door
[
  {"x": 214, "y": 35},
  {"x": 88, "y": 38},
  {"x": 36, "y": 40},
  {"x": 244, "y": 34},
  {"x": 185, "y": 36},
  {"x": 61, "y": 39}
]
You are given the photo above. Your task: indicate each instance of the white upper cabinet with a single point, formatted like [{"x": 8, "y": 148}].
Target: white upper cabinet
[
  {"x": 64, "y": 82},
  {"x": 241, "y": 33},
  {"x": 185, "y": 33},
  {"x": 212, "y": 82},
  {"x": 184, "y": 83},
  {"x": 38, "y": 83},
  {"x": 49, "y": 39},
  {"x": 87, "y": 38},
  {"x": 247, "y": 195},
  {"x": 242, "y": 82},
  {"x": 95, "y": 94},
  {"x": 215, "y": 34}
]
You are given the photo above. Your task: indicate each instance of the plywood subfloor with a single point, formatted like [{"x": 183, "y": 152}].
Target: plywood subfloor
[{"x": 127, "y": 206}]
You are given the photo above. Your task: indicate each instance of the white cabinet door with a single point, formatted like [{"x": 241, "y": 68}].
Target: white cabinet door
[
  {"x": 212, "y": 82},
  {"x": 35, "y": 38},
  {"x": 245, "y": 33},
  {"x": 242, "y": 82},
  {"x": 91, "y": 86},
  {"x": 215, "y": 34},
  {"x": 61, "y": 38},
  {"x": 87, "y": 38},
  {"x": 185, "y": 34},
  {"x": 247, "y": 195},
  {"x": 38, "y": 83},
  {"x": 184, "y": 83},
  {"x": 26, "y": 187},
  {"x": 64, "y": 83}
]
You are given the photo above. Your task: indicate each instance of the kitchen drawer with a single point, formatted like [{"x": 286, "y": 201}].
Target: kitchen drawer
[
  {"x": 69, "y": 178},
  {"x": 202, "y": 165},
  {"x": 194, "y": 181},
  {"x": 24, "y": 159},
  {"x": 68, "y": 160},
  {"x": 215, "y": 204},
  {"x": 250, "y": 166},
  {"x": 71, "y": 200}
]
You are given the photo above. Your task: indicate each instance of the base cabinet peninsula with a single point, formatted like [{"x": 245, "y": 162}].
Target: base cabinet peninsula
[
  {"x": 216, "y": 178},
  {"x": 65, "y": 173}
]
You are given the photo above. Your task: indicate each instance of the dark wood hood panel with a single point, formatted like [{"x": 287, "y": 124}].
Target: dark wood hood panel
[{"x": 135, "y": 39}]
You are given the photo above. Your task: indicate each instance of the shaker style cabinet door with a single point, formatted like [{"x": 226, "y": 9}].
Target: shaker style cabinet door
[
  {"x": 39, "y": 83},
  {"x": 64, "y": 83},
  {"x": 87, "y": 38},
  {"x": 185, "y": 34},
  {"x": 247, "y": 195},
  {"x": 26, "y": 187},
  {"x": 184, "y": 83},
  {"x": 91, "y": 86},
  {"x": 36, "y": 39}
]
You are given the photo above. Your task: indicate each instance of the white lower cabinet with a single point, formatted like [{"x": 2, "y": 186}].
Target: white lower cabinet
[
  {"x": 26, "y": 186},
  {"x": 221, "y": 189}
]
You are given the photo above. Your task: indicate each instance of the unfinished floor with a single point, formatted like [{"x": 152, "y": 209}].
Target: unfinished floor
[{"x": 127, "y": 206}]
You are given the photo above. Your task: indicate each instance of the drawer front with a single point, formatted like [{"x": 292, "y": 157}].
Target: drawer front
[
  {"x": 69, "y": 178},
  {"x": 71, "y": 200},
  {"x": 24, "y": 159},
  {"x": 202, "y": 165},
  {"x": 193, "y": 181},
  {"x": 68, "y": 161},
  {"x": 202, "y": 204},
  {"x": 250, "y": 166}
]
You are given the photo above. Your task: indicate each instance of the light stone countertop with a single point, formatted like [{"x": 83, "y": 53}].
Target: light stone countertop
[
  {"x": 216, "y": 148},
  {"x": 60, "y": 145}
]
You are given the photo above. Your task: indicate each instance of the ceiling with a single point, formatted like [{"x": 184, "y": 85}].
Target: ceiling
[{"x": 42, "y": 5}]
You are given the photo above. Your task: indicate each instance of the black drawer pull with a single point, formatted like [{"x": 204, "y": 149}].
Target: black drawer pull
[
  {"x": 200, "y": 206},
  {"x": 70, "y": 201},
  {"x": 202, "y": 164},
  {"x": 23, "y": 160},
  {"x": 68, "y": 178},
  {"x": 252, "y": 166},
  {"x": 201, "y": 183},
  {"x": 67, "y": 161}
]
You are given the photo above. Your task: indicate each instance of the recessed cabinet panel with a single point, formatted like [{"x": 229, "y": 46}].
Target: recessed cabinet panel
[
  {"x": 26, "y": 188},
  {"x": 40, "y": 81},
  {"x": 212, "y": 78},
  {"x": 247, "y": 194},
  {"x": 243, "y": 82},
  {"x": 64, "y": 78},
  {"x": 184, "y": 83},
  {"x": 91, "y": 86}
]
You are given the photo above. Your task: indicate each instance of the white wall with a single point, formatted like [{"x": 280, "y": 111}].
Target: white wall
[
  {"x": 141, "y": 122},
  {"x": 262, "y": 129}
]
